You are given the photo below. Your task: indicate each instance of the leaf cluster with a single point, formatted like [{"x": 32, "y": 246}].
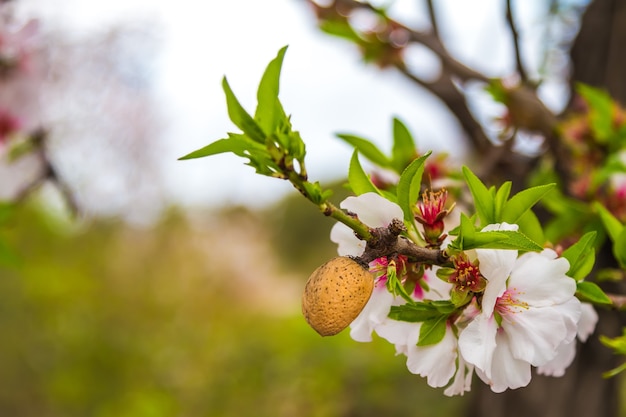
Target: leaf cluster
[{"x": 267, "y": 139}]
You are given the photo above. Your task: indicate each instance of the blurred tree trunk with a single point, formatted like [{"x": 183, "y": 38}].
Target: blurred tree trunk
[{"x": 598, "y": 59}]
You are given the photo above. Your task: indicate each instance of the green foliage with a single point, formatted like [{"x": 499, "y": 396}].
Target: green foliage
[
  {"x": 589, "y": 291},
  {"x": 359, "y": 181},
  {"x": 403, "y": 151},
  {"x": 616, "y": 232},
  {"x": 267, "y": 140},
  {"x": 600, "y": 112},
  {"x": 470, "y": 237},
  {"x": 618, "y": 344},
  {"x": 494, "y": 206},
  {"x": 409, "y": 187},
  {"x": 367, "y": 149},
  {"x": 432, "y": 314},
  {"x": 581, "y": 256}
]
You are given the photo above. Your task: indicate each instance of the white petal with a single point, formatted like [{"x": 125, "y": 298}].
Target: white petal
[
  {"x": 347, "y": 242},
  {"x": 372, "y": 209},
  {"x": 540, "y": 280},
  {"x": 495, "y": 266},
  {"x": 477, "y": 342},
  {"x": 587, "y": 322},
  {"x": 564, "y": 357},
  {"x": 507, "y": 371},
  {"x": 398, "y": 332},
  {"x": 375, "y": 312},
  {"x": 536, "y": 333},
  {"x": 436, "y": 362},
  {"x": 462, "y": 379}
]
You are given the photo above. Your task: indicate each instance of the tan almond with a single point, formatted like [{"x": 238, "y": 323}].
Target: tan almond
[{"x": 335, "y": 294}]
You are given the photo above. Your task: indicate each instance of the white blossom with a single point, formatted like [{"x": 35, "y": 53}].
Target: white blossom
[{"x": 527, "y": 322}]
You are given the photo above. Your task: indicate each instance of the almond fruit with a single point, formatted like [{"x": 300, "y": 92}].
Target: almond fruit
[{"x": 335, "y": 294}]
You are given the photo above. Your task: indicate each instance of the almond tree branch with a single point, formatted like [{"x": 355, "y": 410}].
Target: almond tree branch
[
  {"x": 515, "y": 35},
  {"x": 433, "y": 17}
]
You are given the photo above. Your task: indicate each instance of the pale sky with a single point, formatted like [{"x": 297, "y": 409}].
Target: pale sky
[{"x": 324, "y": 85}]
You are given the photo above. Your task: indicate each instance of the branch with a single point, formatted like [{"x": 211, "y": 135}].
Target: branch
[
  {"x": 386, "y": 241},
  {"x": 433, "y": 17},
  {"x": 515, "y": 35}
]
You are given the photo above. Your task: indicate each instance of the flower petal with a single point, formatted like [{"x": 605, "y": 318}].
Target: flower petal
[
  {"x": 564, "y": 357},
  {"x": 540, "y": 279},
  {"x": 506, "y": 371},
  {"x": 536, "y": 333},
  {"x": 477, "y": 342},
  {"x": 587, "y": 322},
  {"x": 372, "y": 209},
  {"x": 374, "y": 313},
  {"x": 436, "y": 362},
  {"x": 495, "y": 266},
  {"x": 462, "y": 379},
  {"x": 347, "y": 242}
]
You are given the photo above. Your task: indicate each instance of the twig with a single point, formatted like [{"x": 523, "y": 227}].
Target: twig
[
  {"x": 515, "y": 35},
  {"x": 433, "y": 17}
]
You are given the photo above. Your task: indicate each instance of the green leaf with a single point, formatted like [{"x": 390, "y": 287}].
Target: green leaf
[
  {"x": 269, "y": 111},
  {"x": 501, "y": 239},
  {"x": 600, "y": 111},
  {"x": 315, "y": 192},
  {"x": 413, "y": 313},
  {"x": 613, "y": 226},
  {"x": 236, "y": 144},
  {"x": 367, "y": 149},
  {"x": 581, "y": 256},
  {"x": 240, "y": 117},
  {"x": 529, "y": 225},
  {"x": 340, "y": 29},
  {"x": 403, "y": 150},
  {"x": 619, "y": 248},
  {"x": 409, "y": 186},
  {"x": 432, "y": 331},
  {"x": 589, "y": 291},
  {"x": 502, "y": 195},
  {"x": 358, "y": 179},
  {"x": 523, "y": 201},
  {"x": 483, "y": 198}
]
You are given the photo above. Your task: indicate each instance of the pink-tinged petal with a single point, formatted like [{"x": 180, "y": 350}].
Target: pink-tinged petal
[
  {"x": 536, "y": 333},
  {"x": 372, "y": 209},
  {"x": 564, "y": 358},
  {"x": 587, "y": 322},
  {"x": 507, "y": 371},
  {"x": 477, "y": 342},
  {"x": 374, "y": 313},
  {"x": 436, "y": 362},
  {"x": 495, "y": 266},
  {"x": 540, "y": 280},
  {"x": 462, "y": 379}
]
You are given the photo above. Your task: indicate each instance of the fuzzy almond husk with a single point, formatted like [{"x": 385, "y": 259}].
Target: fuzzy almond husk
[{"x": 335, "y": 294}]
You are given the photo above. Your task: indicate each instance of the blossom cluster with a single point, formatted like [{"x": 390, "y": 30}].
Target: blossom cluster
[{"x": 521, "y": 310}]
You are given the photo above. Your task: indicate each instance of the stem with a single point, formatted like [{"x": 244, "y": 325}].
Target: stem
[
  {"x": 329, "y": 209},
  {"x": 361, "y": 229}
]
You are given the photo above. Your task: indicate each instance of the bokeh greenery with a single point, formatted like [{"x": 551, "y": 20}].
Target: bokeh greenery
[{"x": 108, "y": 320}]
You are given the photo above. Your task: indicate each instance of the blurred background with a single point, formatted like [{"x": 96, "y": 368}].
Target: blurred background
[{"x": 133, "y": 284}]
